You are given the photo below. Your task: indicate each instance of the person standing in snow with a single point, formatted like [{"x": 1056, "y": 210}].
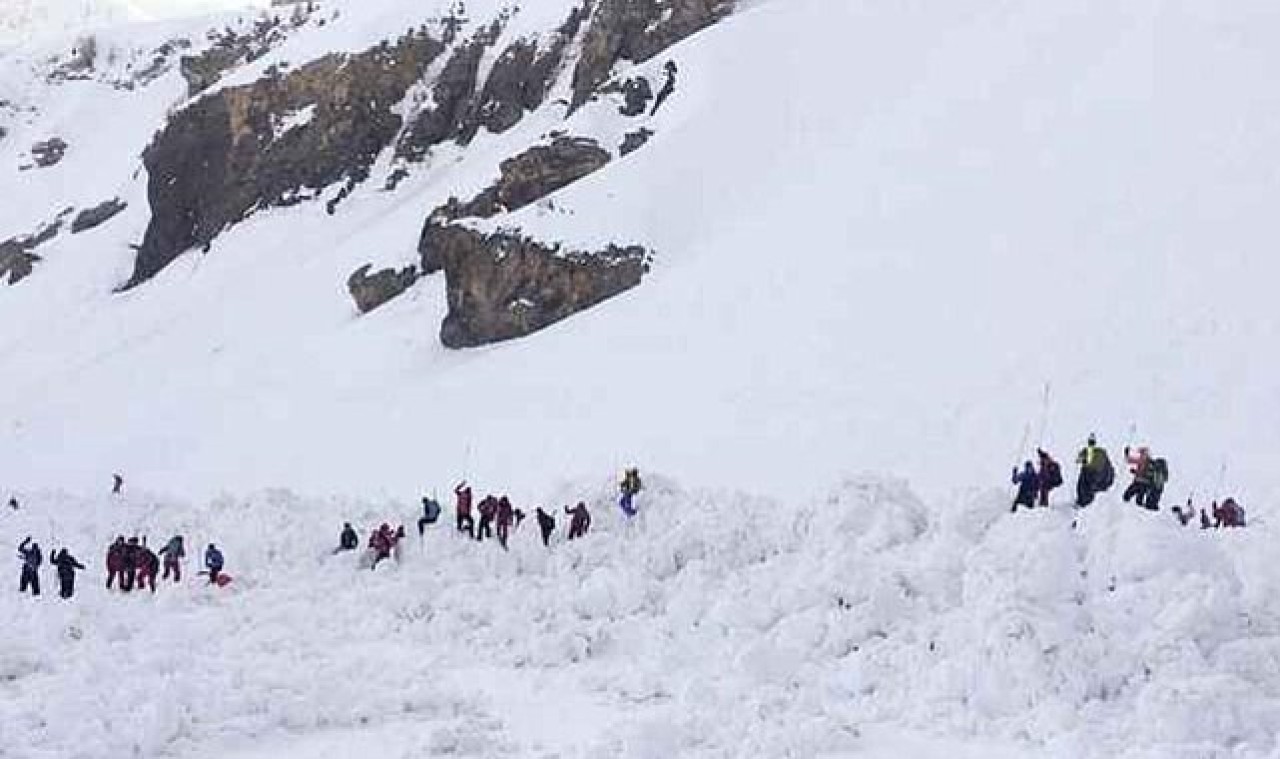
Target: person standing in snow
[
  {"x": 115, "y": 562},
  {"x": 1149, "y": 476},
  {"x": 1228, "y": 514},
  {"x": 380, "y": 545},
  {"x": 668, "y": 87},
  {"x": 1028, "y": 483},
  {"x": 13, "y": 503},
  {"x": 488, "y": 509},
  {"x": 148, "y": 567},
  {"x": 546, "y": 525},
  {"x": 173, "y": 552},
  {"x": 1204, "y": 520},
  {"x": 67, "y": 566},
  {"x": 1185, "y": 514},
  {"x": 430, "y": 514},
  {"x": 630, "y": 487},
  {"x": 579, "y": 520},
  {"x": 1096, "y": 472},
  {"x": 348, "y": 540},
  {"x": 213, "y": 562},
  {"x": 117, "y": 484},
  {"x": 31, "y": 557},
  {"x": 1050, "y": 475},
  {"x": 505, "y": 517},
  {"x": 129, "y": 564},
  {"x": 466, "y": 523}
]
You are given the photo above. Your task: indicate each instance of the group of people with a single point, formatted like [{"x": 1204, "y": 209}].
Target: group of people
[
  {"x": 498, "y": 518},
  {"x": 1097, "y": 475},
  {"x": 130, "y": 564}
]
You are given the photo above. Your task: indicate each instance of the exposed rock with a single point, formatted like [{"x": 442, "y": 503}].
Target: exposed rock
[
  {"x": 636, "y": 94},
  {"x": 16, "y": 262},
  {"x": 519, "y": 81},
  {"x": 231, "y": 49},
  {"x": 96, "y": 216},
  {"x": 637, "y": 30},
  {"x": 503, "y": 285},
  {"x": 369, "y": 292},
  {"x": 633, "y": 141},
  {"x": 531, "y": 176},
  {"x": 16, "y": 258},
  {"x": 273, "y": 143},
  {"x": 49, "y": 152}
]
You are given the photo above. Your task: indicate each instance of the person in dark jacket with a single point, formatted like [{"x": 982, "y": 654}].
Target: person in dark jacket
[
  {"x": 348, "y": 540},
  {"x": 148, "y": 567},
  {"x": 67, "y": 566},
  {"x": 31, "y": 557},
  {"x": 579, "y": 520},
  {"x": 466, "y": 523},
  {"x": 1050, "y": 475},
  {"x": 213, "y": 562},
  {"x": 430, "y": 514},
  {"x": 1096, "y": 472},
  {"x": 488, "y": 509},
  {"x": 173, "y": 552},
  {"x": 668, "y": 87},
  {"x": 129, "y": 564},
  {"x": 117, "y": 484},
  {"x": 546, "y": 525},
  {"x": 13, "y": 503},
  {"x": 1028, "y": 485},
  {"x": 630, "y": 488},
  {"x": 505, "y": 517},
  {"x": 115, "y": 562}
]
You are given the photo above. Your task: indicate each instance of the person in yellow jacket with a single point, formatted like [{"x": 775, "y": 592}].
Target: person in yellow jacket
[{"x": 1096, "y": 472}]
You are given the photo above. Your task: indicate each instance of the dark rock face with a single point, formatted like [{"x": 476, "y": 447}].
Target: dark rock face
[
  {"x": 231, "y": 49},
  {"x": 633, "y": 141},
  {"x": 637, "y": 30},
  {"x": 16, "y": 259},
  {"x": 275, "y": 142},
  {"x": 532, "y": 175},
  {"x": 371, "y": 291},
  {"x": 636, "y": 94},
  {"x": 49, "y": 152},
  {"x": 503, "y": 286},
  {"x": 96, "y": 216}
]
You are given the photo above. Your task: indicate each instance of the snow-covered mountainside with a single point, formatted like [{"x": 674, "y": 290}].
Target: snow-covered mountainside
[{"x": 362, "y": 249}]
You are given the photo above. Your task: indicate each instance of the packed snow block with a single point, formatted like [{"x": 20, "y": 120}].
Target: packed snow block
[
  {"x": 503, "y": 285},
  {"x": 526, "y": 178},
  {"x": 276, "y": 142},
  {"x": 372, "y": 290},
  {"x": 97, "y": 216},
  {"x": 636, "y": 31}
]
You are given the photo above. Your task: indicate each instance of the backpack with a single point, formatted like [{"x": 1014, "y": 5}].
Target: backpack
[
  {"x": 431, "y": 510},
  {"x": 1106, "y": 472},
  {"x": 1159, "y": 472},
  {"x": 1052, "y": 475}
]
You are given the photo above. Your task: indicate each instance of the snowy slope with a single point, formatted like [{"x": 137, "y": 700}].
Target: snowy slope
[{"x": 881, "y": 232}]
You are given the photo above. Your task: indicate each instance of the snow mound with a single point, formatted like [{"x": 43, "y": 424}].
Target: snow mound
[{"x": 716, "y": 624}]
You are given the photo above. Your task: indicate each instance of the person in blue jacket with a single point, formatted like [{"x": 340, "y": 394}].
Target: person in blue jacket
[
  {"x": 213, "y": 563},
  {"x": 1028, "y": 483}
]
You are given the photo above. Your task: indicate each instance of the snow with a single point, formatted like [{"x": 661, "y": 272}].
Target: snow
[{"x": 880, "y": 232}]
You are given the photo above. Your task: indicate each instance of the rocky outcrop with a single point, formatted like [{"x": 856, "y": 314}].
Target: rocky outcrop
[
  {"x": 17, "y": 260},
  {"x": 637, "y": 30},
  {"x": 519, "y": 81},
  {"x": 503, "y": 285},
  {"x": 636, "y": 94},
  {"x": 633, "y": 141},
  {"x": 231, "y": 49},
  {"x": 531, "y": 176},
  {"x": 49, "y": 153},
  {"x": 275, "y": 142},
  {"x": 372, "y": 290},
  {"x": 97, "y": 216}
]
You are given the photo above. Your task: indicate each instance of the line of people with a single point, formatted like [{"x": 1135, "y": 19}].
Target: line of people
[
  {"x": 130, "y": 565},
  {"x": 1097, "y": 475},
  {"x": 498, "y": 518}
]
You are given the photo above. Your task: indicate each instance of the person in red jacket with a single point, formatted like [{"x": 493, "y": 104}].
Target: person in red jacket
[
  {"x": 115, "y": 562},
  {"x": 466, "y": 523},
  {"x": 380, "y": 544},
  {"x": 148, "y": 567}
]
